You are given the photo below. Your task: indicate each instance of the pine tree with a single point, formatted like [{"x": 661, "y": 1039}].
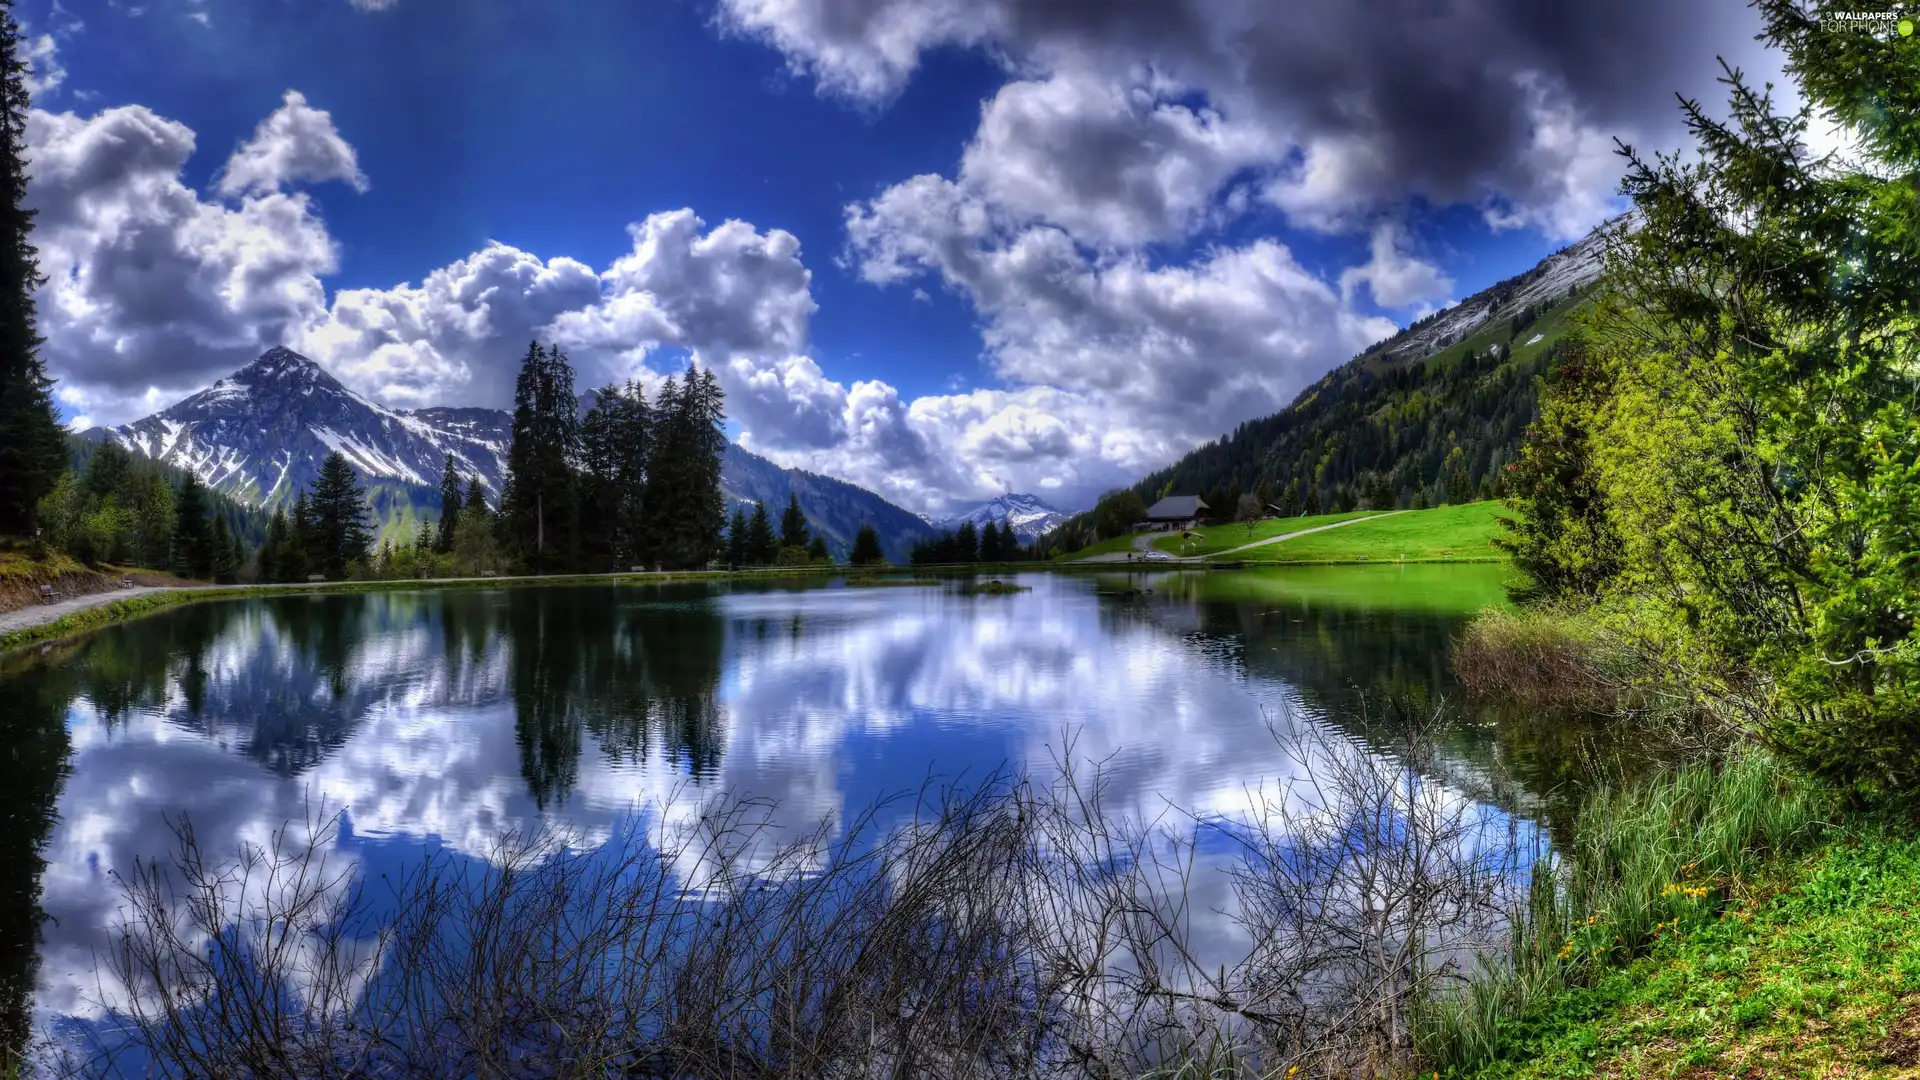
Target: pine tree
[
  {"x": 793, "y": 524},
  {"x": 274, "y": 554},
  {"x": 475, "y": 545},
  {"x": 537, "y": 511},
  {"x": 475, "y": 499},
  {"x": 600, "y": 437},
  {"x": 191, "y": 557},
  {"x": 665, "y": 477},
  {"x": 687, "y": 511},
  {"x": 339, "y": 510},
  {"x": 966, "y": 543},
  {"x": 303, "y": 553},
  {"x": 33, "y": 452},
  {"x": 708, "y": 504},
  {"x": 866, "y": 548},
  {"x": 449, "y": 507},
  {"x": 817, "y": 548},
  {"x": 762, "y": 544},
  {"x": 737, "y": 538},
  {"x": 633, "y": 445},
  {"x": 220, "y": 562},
  {"x": 990, "y": 543}
]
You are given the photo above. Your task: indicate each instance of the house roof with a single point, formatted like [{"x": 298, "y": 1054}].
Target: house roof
[{"x": 1176, "y": 508}]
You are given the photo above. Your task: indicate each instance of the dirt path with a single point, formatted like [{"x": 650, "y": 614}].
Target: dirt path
[
  {"x": 40, "y": 614},
  {"x": 1303, "y": 532},
  {"x": 1144, "y": 543}
]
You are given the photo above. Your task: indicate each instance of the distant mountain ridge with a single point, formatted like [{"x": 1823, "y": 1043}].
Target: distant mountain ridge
[
  {"x": 1030, "y": 516},
  {"x": 259, "y": 436},
  {"x": 1545, "y": 284}
]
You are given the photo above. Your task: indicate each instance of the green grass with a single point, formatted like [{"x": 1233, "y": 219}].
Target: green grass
[
  {"x": 1552, "y": 325},
  {"x": 1812, "y": 969},
  {"x": 1423, "y": 589},
  {"x": 1218, "y": 538},
  {"x": 132, "y": 607},
  {"x": 1116, "y": 545},
  {"x": 1444, "y": 534},
  {"x": 18, "y": 564},
  {"x": 1659, "y": 863}
]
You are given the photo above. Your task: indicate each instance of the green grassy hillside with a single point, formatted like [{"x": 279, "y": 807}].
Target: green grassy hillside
[
  {"x": 1433, "y": 413},
  {"x": 1444, "y": 534}
]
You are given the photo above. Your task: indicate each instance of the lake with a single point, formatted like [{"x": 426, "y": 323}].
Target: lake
[{"x": 435, "y": 721}]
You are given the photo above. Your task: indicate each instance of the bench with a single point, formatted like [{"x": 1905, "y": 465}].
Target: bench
[
  {"x": 316, "y": 578},
  {"x": 47, "y": 595},
  {"x": 126, "y": 583},
  {"x": 489, "y": 573}
]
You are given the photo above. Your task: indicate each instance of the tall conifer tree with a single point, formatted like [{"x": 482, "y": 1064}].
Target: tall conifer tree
[
  {"x": 221, "y": 564},
  {"x": 449, "y": 507},
  {"x": 866, "y": 547},
  {"x": 339, "y": 511},
  {"x": 33, "y": 450},
  {"x": 737, "y": 538},
  {"x": 475, "y": 498},
  {"x": 633, "y": 448},
  {"x": 538, "y": 508},
  {"x": 990, "y": 543},
  {"x": 304, "y": 554},
  {"x": 191, "y": 556},
  {"x": 793, "y": 524},
  {"x": 762, "y": 544}
]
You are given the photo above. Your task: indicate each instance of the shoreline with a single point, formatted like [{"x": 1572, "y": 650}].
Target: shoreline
[{"x": 46, "y": 624}]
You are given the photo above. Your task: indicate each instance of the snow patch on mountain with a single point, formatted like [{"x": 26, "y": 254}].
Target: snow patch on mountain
[
  {"x": 261, "y": 433},
  {"x": 1544, "y": 285},
  {"x": 1029, "y": 515}
]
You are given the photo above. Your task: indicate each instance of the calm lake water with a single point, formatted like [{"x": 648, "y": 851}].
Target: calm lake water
[{"x": 436, "y": 720}]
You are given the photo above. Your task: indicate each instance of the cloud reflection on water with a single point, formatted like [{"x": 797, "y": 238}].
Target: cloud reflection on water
[{"x": 440, "y": 720}]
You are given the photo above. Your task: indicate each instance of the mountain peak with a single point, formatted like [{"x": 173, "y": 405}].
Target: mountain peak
[
  {"x": 281, "y": 364},
  {"x": 1029, "y": 516}
]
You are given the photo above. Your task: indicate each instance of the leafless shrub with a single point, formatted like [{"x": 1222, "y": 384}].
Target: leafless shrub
[{"x": 1016, "y": 927}]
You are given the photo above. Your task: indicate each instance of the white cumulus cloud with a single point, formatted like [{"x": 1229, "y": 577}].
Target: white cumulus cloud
[
  {"x": 1395, "y": 277},
  {"x": 296, "y": 143}
]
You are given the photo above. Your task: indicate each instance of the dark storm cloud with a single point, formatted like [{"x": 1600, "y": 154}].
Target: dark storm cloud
[{"x": 1434, "y": 88}]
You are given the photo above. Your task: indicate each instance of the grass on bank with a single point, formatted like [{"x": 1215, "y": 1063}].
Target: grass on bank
[
  {"x": 1647, "y": 865},
  {"x": 1118, "y": 545},
  {"x": 1811, "y": 970},
  {"x": 1425, "y": 589},
  {"x": 92, "y": 618},
  {"x": 1215, "y": 539},
  {"x": 1461, "y": 533}
]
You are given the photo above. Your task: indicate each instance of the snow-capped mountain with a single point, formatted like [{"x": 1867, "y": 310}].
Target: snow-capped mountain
[
  {"x": 260, "y": 434},
  {"x": 1029, "y": 515}
]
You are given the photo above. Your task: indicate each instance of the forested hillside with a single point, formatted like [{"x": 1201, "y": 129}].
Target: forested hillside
[
  {"x": 1429, "y": 416},
  {"x": 248, "y": 523}
]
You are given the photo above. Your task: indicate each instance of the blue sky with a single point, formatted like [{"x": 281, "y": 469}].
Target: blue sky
[{"x": 940, "y": 249}]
